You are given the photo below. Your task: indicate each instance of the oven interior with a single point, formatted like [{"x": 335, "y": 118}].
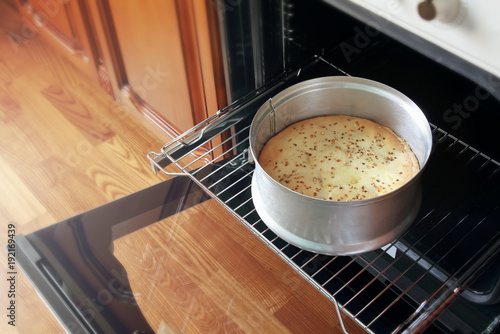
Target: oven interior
[{"x": 445, "y": 268}]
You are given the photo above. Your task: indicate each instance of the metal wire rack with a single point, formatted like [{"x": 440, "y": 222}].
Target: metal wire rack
[{"x": 400, "y": 288}]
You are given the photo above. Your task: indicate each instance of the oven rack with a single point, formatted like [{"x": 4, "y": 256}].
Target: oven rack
[{"x": 399, "y": 288}]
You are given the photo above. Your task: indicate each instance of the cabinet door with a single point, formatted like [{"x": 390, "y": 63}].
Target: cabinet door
[{"x": 157, "y": 64}]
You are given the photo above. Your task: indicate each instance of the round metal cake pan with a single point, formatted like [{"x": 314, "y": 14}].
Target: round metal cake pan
[{"x": 339, "y": 227}]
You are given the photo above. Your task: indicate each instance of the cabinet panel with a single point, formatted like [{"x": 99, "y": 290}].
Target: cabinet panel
[
  {"x": 161, "y": 58},
  {"x": 151, "y": 49}
]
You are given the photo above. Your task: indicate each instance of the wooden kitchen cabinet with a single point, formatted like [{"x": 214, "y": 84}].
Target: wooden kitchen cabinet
[
  {"x": 151, "y": 57},
  {"x": 160, "y": 58}
]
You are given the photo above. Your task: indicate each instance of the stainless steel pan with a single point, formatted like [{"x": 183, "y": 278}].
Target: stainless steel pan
[{"x": 330, "y": 227}]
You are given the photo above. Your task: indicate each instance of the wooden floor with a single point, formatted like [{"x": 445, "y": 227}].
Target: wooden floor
[{"x": 65, "y": 147}]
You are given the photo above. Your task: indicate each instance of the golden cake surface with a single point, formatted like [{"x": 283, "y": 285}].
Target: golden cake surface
[{"x": 339, "y": 158}]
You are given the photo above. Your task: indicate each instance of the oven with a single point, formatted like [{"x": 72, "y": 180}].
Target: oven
[{"x": 441, "y": 276}]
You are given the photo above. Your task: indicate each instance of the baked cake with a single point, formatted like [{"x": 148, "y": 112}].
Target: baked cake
[{"x": 339, "y": 158}]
